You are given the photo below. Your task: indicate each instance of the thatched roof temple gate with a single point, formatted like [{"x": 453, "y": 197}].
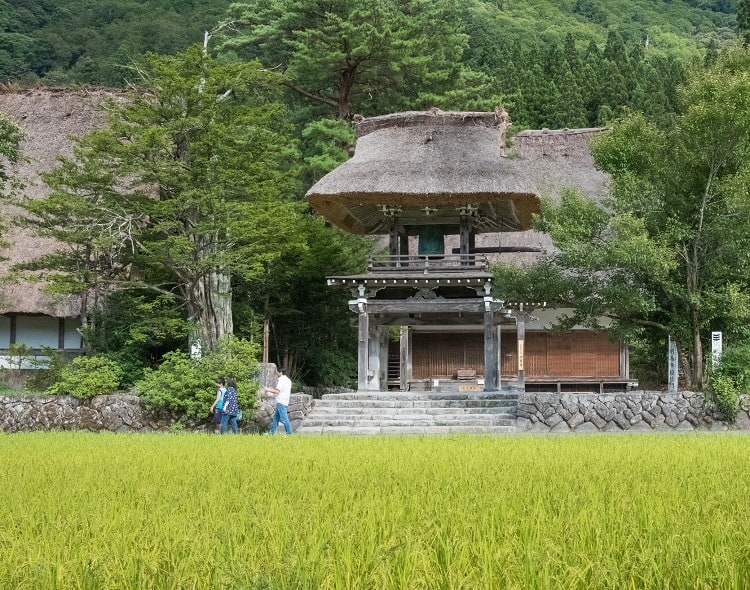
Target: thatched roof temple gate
[{"x": 428, "y": 181}]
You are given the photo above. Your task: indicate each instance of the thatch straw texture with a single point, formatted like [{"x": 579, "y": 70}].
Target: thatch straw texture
[
  {"x": 445, "y": 160},
  {"x": 48, "y": 118}
]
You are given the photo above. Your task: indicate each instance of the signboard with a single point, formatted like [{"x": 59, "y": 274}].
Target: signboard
[
  {"x": 672, "y": 377},
  {"x": 716, "y": 347},
  {"x": 469, "y": 388}
]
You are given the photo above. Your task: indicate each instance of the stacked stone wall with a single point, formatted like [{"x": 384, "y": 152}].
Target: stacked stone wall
[
  {"x": 633, "y": 411},
  {"x": 120, "y": 413},
  {"x": 539, "y": 412}
]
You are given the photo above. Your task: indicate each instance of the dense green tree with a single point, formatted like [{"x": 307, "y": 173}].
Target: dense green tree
[
  {"x": 743, "y": 20},
  {"x": 185, "y": 186},
  {"x": 135, "y": 329},
  {"x": 77, "y": 41},
  {"x": 311, "y": 333},
  {"x": 351, "y": 55},
  {"x": 670, "y": 251}
]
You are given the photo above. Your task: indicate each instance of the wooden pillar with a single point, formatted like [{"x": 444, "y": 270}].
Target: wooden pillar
[
  {"x": 363, "y": 341},
  {"x": 490, "y": 347},
  {"x": 405, "y": 358},
  {"x": 466, "y": 238},
  {"x": 393, "y": 241},
  {"x": 398, "y": 243},
  {"x": 61, "y": 333},
  {"x": 403, "y": 243},
  {"x": 521, "y": 335},
  {"x": 499, "y": 340},
  {"x": 377, "y": 355}
]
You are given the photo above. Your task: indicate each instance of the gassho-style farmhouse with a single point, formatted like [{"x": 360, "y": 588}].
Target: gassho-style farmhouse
[{"x": 447, "y": 195}]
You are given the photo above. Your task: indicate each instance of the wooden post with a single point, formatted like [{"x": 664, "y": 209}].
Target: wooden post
[
  {"x": 363, "y": 339},
  {"x": 499, "y": 340},
  {"x": 61, "y": 333},
  {"x": 465, "y": 237},
  {"x": 404, "y": 359},
  {"x": 490, "y": 347},
  {"x": 393, "y": 241}
]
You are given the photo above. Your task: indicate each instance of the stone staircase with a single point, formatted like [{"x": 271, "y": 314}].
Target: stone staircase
[{"x": 424, "y": 412}]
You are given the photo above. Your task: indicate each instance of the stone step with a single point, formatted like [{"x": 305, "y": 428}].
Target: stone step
[
  {"x": 412, "y": 413},
  {"x": 422, "y": 396},
  {"x": 404, "y": 430},
  {"x": 422, "y": 406},
  {"x": 413, "y": 419},
  {"x": 426, "y": 412}
]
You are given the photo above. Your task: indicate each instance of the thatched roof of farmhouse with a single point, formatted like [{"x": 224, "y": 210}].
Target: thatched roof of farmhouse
[
  {"x": 406, "y": 162},
  {"x": 435, "y": 159},
  {"x": 48, "y": 118}
]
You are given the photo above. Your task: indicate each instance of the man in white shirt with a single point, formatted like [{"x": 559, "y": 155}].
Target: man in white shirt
[{"x": 282, "y": 391}]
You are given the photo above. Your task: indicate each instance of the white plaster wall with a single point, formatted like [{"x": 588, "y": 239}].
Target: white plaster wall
[
  {"x": 72, "y": 335},
  {"x": 36, "y": 331},
  {"x": 4, "y": 332}
]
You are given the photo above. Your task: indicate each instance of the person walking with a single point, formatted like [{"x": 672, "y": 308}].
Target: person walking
[
  {"x": 231, "y": 407},
  {"x": 283, "y": 392},
  {"x": 218, "y": 402}
]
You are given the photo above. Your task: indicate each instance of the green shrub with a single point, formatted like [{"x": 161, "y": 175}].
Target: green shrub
[
  {"x": 729, "y": 380},
  {"x": 185, "y": 386},
  {"x": 178, "y": 385},
  {"x": 725, "y": 396},
  {"x": 88, "y": 376}
]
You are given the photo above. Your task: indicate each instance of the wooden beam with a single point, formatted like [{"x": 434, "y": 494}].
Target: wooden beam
[
  {"x": 497, "y": 249},
  {"x": 61, "y": 333},
  {"x": 425, "y": 306}
]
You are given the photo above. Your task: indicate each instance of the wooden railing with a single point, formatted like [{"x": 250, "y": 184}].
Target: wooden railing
[{"x": 428, "y": 264}]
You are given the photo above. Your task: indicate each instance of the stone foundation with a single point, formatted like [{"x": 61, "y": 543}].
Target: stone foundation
[
  {"x": 119, "y": 413},
  {"x": 539, "y": 412},
  {"x": 636, "y": 411}
]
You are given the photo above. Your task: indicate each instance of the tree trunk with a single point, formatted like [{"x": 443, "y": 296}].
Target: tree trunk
[
  {"x": 210, "y": 309},
  {"x": 697, "y": 350},
  {"x": 346, "y": 84}
]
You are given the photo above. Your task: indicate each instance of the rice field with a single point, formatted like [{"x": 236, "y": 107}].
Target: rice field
[{"x": 188, "y": 511}]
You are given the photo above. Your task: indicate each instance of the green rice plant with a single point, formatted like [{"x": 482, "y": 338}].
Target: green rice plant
[{"x": 249, "y": 512}]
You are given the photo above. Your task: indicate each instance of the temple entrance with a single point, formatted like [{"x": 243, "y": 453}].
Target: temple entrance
[
  {"x": 441, "y": 355},
  {"x": 394, "y": 365}
]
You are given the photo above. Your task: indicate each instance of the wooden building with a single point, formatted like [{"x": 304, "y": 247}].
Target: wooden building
[
  {"x": 29, "y": 314},
  {"x": 448, "y": 196}
]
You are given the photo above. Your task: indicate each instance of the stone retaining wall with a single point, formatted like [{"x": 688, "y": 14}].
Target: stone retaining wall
[
  {"x": 119, "y": 413},
  {"x": 637, "y": 411},
  {"x": 539, "y": 412}
]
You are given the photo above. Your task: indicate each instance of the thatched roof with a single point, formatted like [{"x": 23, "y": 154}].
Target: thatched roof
[
  {"x": 48, "y": 118},
  {"x": 445, "y": 160},
  {"x": 416, "y": 159}
]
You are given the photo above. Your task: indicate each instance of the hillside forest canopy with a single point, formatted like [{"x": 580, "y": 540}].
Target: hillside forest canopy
[{"x": 299, "y": 70}]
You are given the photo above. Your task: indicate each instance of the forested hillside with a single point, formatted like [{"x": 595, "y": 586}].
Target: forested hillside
[{"x": 552, "y": 62}]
